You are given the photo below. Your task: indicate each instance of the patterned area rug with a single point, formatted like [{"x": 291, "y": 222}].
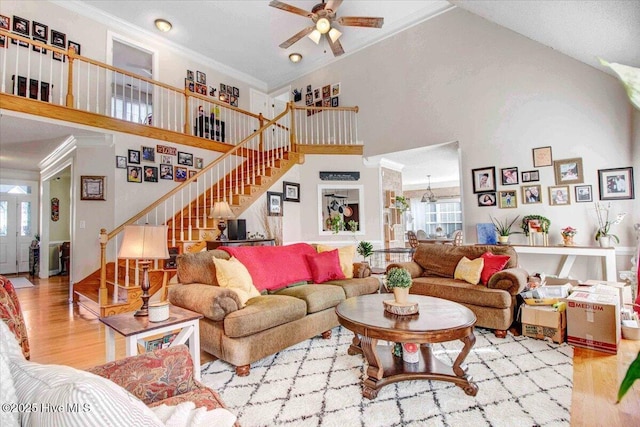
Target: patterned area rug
[{"x": 522, "y": 382}]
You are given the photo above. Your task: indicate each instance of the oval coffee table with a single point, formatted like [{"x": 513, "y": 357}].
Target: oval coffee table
[{"x": 438, "y": 320}]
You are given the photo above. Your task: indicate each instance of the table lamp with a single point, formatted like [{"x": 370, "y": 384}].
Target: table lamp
[
  {"x": 144, "y": 243},
  {"x": 222, "y": 212}
]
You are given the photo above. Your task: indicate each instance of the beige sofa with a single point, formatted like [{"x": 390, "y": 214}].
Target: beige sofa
[
  {"x": 268, "y": 323},
  {"x": 432, "y": 270}
]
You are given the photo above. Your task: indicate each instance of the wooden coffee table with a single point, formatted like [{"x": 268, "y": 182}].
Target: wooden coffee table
[{"x": 438, "y": 320}]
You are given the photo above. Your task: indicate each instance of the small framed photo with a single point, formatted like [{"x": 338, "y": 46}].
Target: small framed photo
[
  {"x": 484, "y": 179},
  {"x": 148, "y": 154},
  {"x": 487, "y": 199},
  {"x": 166, "y": 159},
  {"x": 326, "y": 91},
  {"x": 75, "y": 46},
  {"x": 308, "y": 99},
  {"x": 531, "y": 194},
  {"x": 223, "y": 88},
  {"x": 559, "y": 195},
  {"x": 542, "y": 157},
  {"x": 134, "y": 157},
  {"x": 335, "y": 89},
  {"x": 530, "y": 176},
  {"x": 201, "y": 78},
  {"x": 179, "y": 173},
  {"x": 236, "y": 92},
  {"x": 308, "y": 88},
  {"x": 134, "y": 174},
  {"x": 192, "y": 173},
  {"x": 199, "y": 163},
  {"x": 189, "y": 85},
  {"x": 568, "y": 171},
  {"x": 316, "y": 93},
  {"x": 185, "y": 158},
  {"x": 20, "y": 26},
  {"x": 166, "y": 171},
  {"x": 583, "y": 193},
  {"x": 190, "y": 75},
  {"x": 121, "y": 162},
  {"x": 92, "y": 187},
  {"x": 509, "y": 176},
  {"x": 171, "y": 263},
  {"x": 58, "y": 39},
  {"x": 335, "y": 101},
  {"x": 616, "y": 184},
  {"x": 40, "y": 31},
  {"x": 508, "y": 199},
  {"x": 229, "y": 90},
  {"x": 212, "y": 91},
  {"x": 291, "y": 191},
  {"x": 150, "y": 174},
  {"x": 5, "y": 22},
  {"x": 274, "y": 203}
]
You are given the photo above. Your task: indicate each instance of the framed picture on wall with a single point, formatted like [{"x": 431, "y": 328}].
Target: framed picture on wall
[
  {"x": 166, "y": 171},
  {"x": 92, "y": 187},
  {"x": 185, "y": 158},
  {"x": 134, "y": 156},
  {"x": 531, "y": 194},
  {"x": 509, "y": 176},
  {"x": 530, "y": 176},
  {"x": 542, "y": 157},
  {"x": 616, "y": 184},
  {"x": 583, "y": 194},
  {"x": 134, "y": 174},
  {"x": 484, "y": 179},
  {"x": 508, "y": 199},
  {"x": 274, "y": 203},
  {"x": 568, "y": 171},
  {"x": 559, "y": 195},
  {"x": 291, "y": 191},
  {"x": 179, "y": 174},
  {"x": 150, "y": 174},
  {"x": 121, "y": 162},
  {"x": 487, "y": 199}
]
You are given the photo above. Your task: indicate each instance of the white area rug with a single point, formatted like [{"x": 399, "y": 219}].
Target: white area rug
[
  {"x": 20, "y": 282},
  {"x": 522, "y": 382}
]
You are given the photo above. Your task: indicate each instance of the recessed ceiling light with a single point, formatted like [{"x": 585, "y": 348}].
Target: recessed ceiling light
[
  {"x": 163, "y": 25},
  {"x": 295, "y": 57}
]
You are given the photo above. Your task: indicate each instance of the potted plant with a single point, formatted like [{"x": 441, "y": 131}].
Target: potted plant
[
  {"x": 603, "y": 235},
  {"x": 365, "y": 249},
  {"x": 402, "y": 203},
  {"x": 504, "y": 228},
  {"x": 399, "y": 280},
  {"x": 336, "y": 224},
  {"x": 567, "y": 235}
]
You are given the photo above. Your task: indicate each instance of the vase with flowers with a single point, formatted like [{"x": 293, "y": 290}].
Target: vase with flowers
[
  {"x": 603, "y": 235},
  {"x": 567, "y": 235}
]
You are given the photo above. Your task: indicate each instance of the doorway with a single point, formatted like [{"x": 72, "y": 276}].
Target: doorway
[{"x": 18, "y": 207}]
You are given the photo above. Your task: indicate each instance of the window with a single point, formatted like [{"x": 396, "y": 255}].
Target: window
[
  {"x": 429, "y": 216},
  {"x": 4, "y": 217},
  {"x": 25, "y": 219}
]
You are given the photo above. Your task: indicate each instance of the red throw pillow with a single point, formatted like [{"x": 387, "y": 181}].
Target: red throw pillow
[
  {"x": 325, "y": 266},
  {"x": 492, "y": 264}
]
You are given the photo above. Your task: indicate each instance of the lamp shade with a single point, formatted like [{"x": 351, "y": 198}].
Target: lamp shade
[
  {"x": 315, "y": 36},
  {"x": 221, "y": 210},
  {"x": 323, "y": 25},
  {"x": 144, "y": 242},
  {"x": 334, "y": 34}
]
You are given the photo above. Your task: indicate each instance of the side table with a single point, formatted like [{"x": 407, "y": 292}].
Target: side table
[{"x": 135, "y": 328}]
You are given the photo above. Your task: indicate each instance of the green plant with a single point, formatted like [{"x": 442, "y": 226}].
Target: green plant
[
  {"x": 504, "y": 228},
  {"x": 398, "y": 278},
  {"x": 353, "y": 226},
  {"x": 604, "y": 224},
  {"x": 544, "y": 223},
  {"x": 365, "y": 249},
  {"x": 633, "y": 373},
  {"x": 336, "y": 224},
  {"x": 402, "y": 203}
]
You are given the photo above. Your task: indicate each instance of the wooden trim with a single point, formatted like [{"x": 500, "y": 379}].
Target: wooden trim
[
  {"x": 329, "y": 149},
  {"x": 302, "y": 108}
]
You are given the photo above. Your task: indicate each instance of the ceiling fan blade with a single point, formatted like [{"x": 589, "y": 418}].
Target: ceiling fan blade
[
  {"x": 360, "y": 21},
  {"x": 286, "y": 44},
  {"x": 288, "y": 8},
  {"x": 333, "y": 5},
  {"x": 336, "y": 47}
]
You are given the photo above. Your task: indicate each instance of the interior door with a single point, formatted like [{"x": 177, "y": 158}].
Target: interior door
[{"x": 17, "y": 221}]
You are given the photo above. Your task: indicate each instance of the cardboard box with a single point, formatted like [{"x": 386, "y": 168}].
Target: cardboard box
[
  {"x": 593, "y": 321},
  {"x": 624, "y": 289},
  {"x": 544, "y": 323}
]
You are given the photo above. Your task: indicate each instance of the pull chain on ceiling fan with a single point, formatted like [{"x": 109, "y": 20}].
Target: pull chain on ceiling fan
[{"x": 324, "y": 18}]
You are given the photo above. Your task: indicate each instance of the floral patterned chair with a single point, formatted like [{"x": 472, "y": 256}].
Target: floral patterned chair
[{"x": 162, "y": 379}]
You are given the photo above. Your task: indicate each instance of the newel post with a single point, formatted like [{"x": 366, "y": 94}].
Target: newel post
[
  {"x": 292, "y": 127},
  {"x": 69, "y": 102},
  {"x": 103, "y": 294}
]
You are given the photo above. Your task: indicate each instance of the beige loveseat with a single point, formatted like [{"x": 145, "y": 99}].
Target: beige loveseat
[
  {"x": 268, "y": 323},
  {"x": 432, "y": 270}
]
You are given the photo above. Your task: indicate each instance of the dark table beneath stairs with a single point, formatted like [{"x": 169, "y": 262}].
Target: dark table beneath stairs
[{"x": 214, "y": 244}]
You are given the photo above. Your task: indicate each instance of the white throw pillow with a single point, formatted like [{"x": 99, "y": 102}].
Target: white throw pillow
[
  {"x": 8, "y": 348},
  {"x": 65, "y": 396},
  {"x": 186, "y": 415}
]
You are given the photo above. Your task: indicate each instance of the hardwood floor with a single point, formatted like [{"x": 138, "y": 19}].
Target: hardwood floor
[{"x": 63, "y": 333}]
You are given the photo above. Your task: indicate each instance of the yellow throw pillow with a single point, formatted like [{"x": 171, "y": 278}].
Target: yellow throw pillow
[
  {"x": 234, "y": 275},
  {"x": 346, "y": 254},
  {"x": 469, "y": 270}
]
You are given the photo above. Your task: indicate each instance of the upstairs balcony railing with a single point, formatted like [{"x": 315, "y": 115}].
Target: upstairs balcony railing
[{"x": 47, "y": 73}]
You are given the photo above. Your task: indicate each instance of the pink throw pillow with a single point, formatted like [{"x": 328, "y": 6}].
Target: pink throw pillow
[
  {"x": 325, "y": 266},
  {"x": 492, "y": 264}
]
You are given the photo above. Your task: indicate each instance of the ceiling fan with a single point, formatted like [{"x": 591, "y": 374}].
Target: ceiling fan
[{"x": 324, "y": 18}]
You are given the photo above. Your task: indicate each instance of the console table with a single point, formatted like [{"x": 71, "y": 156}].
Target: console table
[
  {"x": 213, "y": 244},
  {"x": 571, "y": 252}
]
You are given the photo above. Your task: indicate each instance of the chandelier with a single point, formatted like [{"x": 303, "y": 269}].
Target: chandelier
[{"x": 428, "y": 196}]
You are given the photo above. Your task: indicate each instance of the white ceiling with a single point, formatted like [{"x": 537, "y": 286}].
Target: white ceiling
[{"x": 243, "y": 37}]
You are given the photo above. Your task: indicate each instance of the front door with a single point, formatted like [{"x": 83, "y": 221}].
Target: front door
[{"x": 17, "y": 229}]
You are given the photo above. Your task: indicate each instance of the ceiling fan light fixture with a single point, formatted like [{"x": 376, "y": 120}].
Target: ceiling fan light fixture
[
  {"x": 323, "y": 25},
  {"x": 334, "y": 35},
  {"x": 295, "y": 58},
  {"x": 163, "y": 25},
  {"x": 315, "y": 36}
]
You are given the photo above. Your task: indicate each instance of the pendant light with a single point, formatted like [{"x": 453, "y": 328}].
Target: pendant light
[{"x": 428, "y": 196}]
